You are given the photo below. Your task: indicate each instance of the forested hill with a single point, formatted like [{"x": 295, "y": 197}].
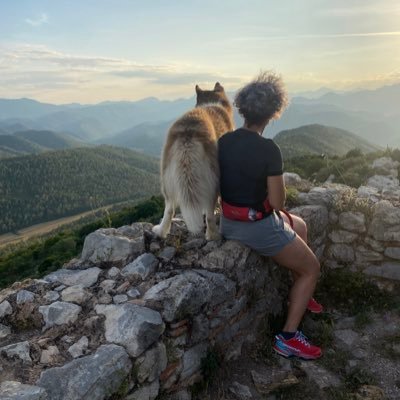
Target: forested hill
[
  {"x": 318, "y": 139},
  {"x": 38, "y": 188}
]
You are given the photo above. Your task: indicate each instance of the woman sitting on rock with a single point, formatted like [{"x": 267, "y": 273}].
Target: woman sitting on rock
[{"x": 253, "y": 192}]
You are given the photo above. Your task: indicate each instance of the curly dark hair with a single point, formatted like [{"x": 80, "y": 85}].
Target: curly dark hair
[{"x": 263, "y": 99}]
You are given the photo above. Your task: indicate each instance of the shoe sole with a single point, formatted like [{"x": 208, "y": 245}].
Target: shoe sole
[
  {"x": 295, "y": 356},
  {"x": 315, "y": 312}
]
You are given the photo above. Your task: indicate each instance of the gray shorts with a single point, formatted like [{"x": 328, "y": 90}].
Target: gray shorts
[{"x": 267, "y": 236}]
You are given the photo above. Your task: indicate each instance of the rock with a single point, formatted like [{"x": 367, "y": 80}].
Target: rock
[
  {"x": 200, "y": 328},
  {"x": 25, "y": 296},
  {"x": 134, "y": 293},
  {"x": 347, "y": 337},
  {"x": 364, "y": 255},
  {"x": 103, "y": 374},
  {"x": 13, "y": 390},
  {"x": 385, "y": 224},
  {"x": 291, "y": 179},
  {"x": 242, "y": 392},
  {"x": 389, "y": 270},
  {"x": 321, "y": 376},
  {"x": 319, "y": 196},
  {"x": 167, "y": 254},
  {"x": 342, "y": 253},
  {"x": 275, "y": 379},
  {"x": 86, "y": 278},
  {"x": 393, "y": 252},
  {"x": 4, "y": 331},
  {"x": 181, "y": 395},
  {"x": 59, "y": 313},
  {"x": 75, "y": 294},
  {"x": 5, "y": 309},
  {"x": 149, "y": 392},
  {"x": 381, "y": 182},
  {"x": 59, "y": 288},
  {"x": 144, "y": 266},
  {"x": 19, "y": 350},
  {"x": 150, "y": 365},
  {"x": 192, "y": 360},
  {"x": 77, "y": 349},
  {"x": 132, "y": 326},
  {"x": 183, "y": 295},
  {"x": 51, "y": 296},
  {"x": 105, "y": 299},
  {"x": 120, "y": 298},
  {"x": 369, "y": 392},
  {"x": 352, "y": 221},
  {"x": 385, "y": 164},
  {"x": 316, "y": 217},
  {"x": 193, "y": 244},
  {"x": 107, "y": 285},
  {"x": 341, "y": 236},
  {"x": 49, "y": 355},
  {"x": 110, "y": 245},
  {"x": 368, "y": 192},
  {"x": 113, "y": 272},
  {"x": 374, "y": 244}
]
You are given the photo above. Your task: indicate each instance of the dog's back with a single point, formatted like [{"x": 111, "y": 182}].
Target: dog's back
[{"x": 189, "y": 165}]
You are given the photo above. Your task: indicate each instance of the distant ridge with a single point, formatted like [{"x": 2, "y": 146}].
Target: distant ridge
[{"x": 318, "y": 139}]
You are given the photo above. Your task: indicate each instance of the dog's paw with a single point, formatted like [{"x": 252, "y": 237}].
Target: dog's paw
[
  {"x": 213, "y": 236},
  {"x": 157, "y": 230}
]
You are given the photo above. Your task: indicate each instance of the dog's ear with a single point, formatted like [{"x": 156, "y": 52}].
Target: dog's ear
[
  {"x": 218, "y": 87},
  {"x": 198, "y": 90}
]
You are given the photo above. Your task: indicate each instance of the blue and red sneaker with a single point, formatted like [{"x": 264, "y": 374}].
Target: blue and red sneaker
[{"x": 297, "y": 346}]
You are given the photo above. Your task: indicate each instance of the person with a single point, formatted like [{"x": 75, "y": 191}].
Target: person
[{"x": 252, "y": 194}]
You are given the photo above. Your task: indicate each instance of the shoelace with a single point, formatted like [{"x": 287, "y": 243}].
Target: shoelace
[{"x": 302, "y": 338}]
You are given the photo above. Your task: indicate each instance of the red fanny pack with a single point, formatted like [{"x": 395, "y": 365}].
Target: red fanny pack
[{"x": 249, "y": 214}]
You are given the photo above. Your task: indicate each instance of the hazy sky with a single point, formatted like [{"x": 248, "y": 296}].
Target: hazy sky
[{"x": 93, "y": 50}]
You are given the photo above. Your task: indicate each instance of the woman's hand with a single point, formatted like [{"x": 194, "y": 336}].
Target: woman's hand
[{"x": 276, "y": 191}]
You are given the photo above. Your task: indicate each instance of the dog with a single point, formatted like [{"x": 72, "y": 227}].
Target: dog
[{"x": 189, "y": 163}]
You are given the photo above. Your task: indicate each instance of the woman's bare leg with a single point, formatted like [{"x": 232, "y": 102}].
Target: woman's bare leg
[{"x": 299, "y": 259}]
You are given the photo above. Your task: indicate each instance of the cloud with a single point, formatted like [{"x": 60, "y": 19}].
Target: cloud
[{"x": 40, "y": 20}]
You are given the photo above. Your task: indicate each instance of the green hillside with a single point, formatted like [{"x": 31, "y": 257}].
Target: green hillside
[
  {"x": 39, "y": 188},
  {"x": 13, "y": 145},
  {"x": 320, "y": 139}
]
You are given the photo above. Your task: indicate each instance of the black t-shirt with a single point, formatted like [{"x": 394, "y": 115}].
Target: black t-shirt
[{"x": 246, "y": 159}]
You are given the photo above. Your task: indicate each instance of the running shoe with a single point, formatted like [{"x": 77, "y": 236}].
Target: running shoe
[
  {"x": 297, "y": 346},
  {"x": 314, "y": 306}
]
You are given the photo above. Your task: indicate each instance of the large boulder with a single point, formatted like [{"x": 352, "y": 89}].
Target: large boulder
[{"x": 13, "y": 390}]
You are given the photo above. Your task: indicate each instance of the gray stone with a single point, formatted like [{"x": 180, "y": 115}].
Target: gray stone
[
  {"x": 107, "y": 285},
  {"x": 183, "y": 295},
  {"x": 364, "y": 255},
  {"x": 342, "y": 253},
  {"x": 105, "y": 299},
  {"x": 13, "y": 390},
  {"x": 59, "y": 288},
  {"x": 374, "y": 244},
  {"x": 368, "y": 192},
  {"x": 353, "y": 221},
  {"x": 200, "y": 328},
  {"x": 385, "y": 225},
  {"x": 333, "y": 217},
  {"x": 382, "y": 182},
  {"x": 4, "y": 331},
  {"x": 113, "y": 272},
  {"x": 49, "y": 355},
  {"x": 77, "y": 349},
  {"x": 103, "y": 374},
  {"x": 134, "y": 327},
  {"x": 291, "y": 179},
  {"x": 86, "y": 278},
  {"x": 51, "y": 295},
  {"x": 316, "y": 217},
  {"x": 75, "y": 294},
  {"x": 389, "y": 270},
  {"x": 149, "y": 392},
  {"x": 275, "y": 379},
  {"x": 5, "y": 309},
  {"x": 150, "y": 365},
  {"x": 386, "y": 164},
  {"x": 110, "y": 245},
  {"x": 242, "y": 392},
  {"x": 25, "y": 296},
  {"x": 192, "y": 360},
  {"x": 347, "y": 337},
  {"x": 168, "y": 253},
  {"x": 19, "y": 350},
  {"x": 393, "y": 252},
  {"x": 181, "y": 395},
  {"x": 120, "y": 298},
  {"x": 319, "y": 196},
  {"x": 193, "y": 244},
  {"x": 341, "y": 236},
  {"x": 59, "y": 313},
  {"x": 321, "y": 376},
  {"x": 144, "y": 266},
  {"x": 134, "y": 293}
]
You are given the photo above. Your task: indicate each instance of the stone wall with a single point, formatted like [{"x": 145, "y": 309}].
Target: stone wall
[{"x": 134, "y": 317}]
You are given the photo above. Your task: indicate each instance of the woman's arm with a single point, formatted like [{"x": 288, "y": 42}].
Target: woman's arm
[{"x": 276, "y": 191}]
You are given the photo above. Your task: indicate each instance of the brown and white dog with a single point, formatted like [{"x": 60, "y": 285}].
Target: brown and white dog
[{"x": 189, "y": 164}]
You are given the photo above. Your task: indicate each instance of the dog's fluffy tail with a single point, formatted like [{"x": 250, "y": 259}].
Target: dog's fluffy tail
[{"x": 191, "y": 182}]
